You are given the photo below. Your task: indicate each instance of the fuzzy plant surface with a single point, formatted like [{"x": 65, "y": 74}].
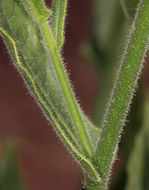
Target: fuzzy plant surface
[{"x": 34, "y": 37}]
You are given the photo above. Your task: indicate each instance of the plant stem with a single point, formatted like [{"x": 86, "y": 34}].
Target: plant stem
[
  {"x": 68, "y": 94},
  {"x": 58, "y": 21},
  {"x": 64, "y": 83},
  {"x": 122, "y": 94}
]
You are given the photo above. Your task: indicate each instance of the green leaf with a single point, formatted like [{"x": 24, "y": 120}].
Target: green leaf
[
  {"x": 29, "y": 39},
  {"x": 58, "y": 21}
]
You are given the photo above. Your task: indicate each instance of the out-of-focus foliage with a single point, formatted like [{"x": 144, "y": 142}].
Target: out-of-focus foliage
[
  {"x": 138, "y": 167},
  {"x": 106, "y": 41},
  {"x": 104, "y": 46},
  {"x": 131, "y": 6},
  {"x": 9, "y": 174}
]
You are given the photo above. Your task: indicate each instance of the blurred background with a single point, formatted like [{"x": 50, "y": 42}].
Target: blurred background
[{"x": 31, "y": 156}]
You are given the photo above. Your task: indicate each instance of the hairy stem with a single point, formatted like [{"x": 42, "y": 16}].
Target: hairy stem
[
  {"x": 58, "y": 21},
  {"x": 65, "y": 85},
  {"x": 122, "y": 92}
]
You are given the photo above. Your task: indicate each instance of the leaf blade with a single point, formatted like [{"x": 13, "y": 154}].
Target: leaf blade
[{"x": 32, "y": 57}]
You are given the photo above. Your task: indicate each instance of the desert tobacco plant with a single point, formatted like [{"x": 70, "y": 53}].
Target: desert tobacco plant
[{"x": 34, "y": 36}]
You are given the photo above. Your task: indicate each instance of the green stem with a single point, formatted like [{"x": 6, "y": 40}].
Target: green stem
[
  {"x": 84, "y": 139},
  {"x": 67, "y": 93},
  {"x": 58, "y": 21},
  {"x": 122, "y": 93}
]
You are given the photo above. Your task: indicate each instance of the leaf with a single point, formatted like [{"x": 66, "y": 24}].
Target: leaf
[
  {"x": 33, "y": 49},
  {"x": 58, "y": 21}
]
